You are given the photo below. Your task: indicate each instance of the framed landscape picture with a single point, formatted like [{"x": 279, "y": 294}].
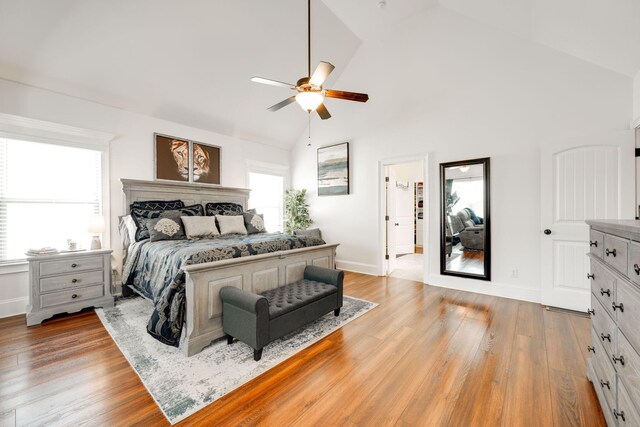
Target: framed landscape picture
[
  {"x": 179, "y": 159},
  {"x": 333, "y": 170},
  {"x": 206, "y": 163}
]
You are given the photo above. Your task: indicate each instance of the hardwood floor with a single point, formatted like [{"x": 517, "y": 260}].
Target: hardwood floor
[
  {"x": 425, "y": 356},
  {"x": 465, "y": 261}
]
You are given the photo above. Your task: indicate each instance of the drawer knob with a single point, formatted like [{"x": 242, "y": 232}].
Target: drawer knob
[
  {"x": 594, "y": 243},
  {"x": 608, "y": 252},
  {"x": 636, "y": 268},
  {"x": 590, "y": 276},
  {"x": 615, "y": 307},
  {"x": 74, "y": 296},
  {"x": 591, "y": 311},
  {"x": 605, "y": 383},
  {"x": 605, "y": 337},
  {"x": 74, "y": 280},
  {"x": 592, "y": 349},
  {"x": 619, "y": 414},
  {"x": 74, "y": 265},
  {"x": 608, "y": 292},
  {"x": 618, "y": 359}
]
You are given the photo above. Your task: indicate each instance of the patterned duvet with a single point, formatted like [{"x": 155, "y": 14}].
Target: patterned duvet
[{"x": 154, "y": 269}]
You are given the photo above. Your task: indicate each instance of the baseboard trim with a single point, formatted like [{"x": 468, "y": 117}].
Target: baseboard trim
[
  {"x": 13, "y": 307},
  {"x": 358, "y": 267},
  {"x": 504, "y": 290}
]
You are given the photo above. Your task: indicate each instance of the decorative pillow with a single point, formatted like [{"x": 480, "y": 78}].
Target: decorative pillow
[
  {"x": 127, "y": 229},
  {"x": 200, "y": 226},
  {"x": 254, "y": 222},
  {"x": 231, "y": 224},
  {"x": 157, "y": 205},
  {"x": 166, "y": 228},
  {"x": 311, "y": 232},
  {"x": 223, "y": 208},
  {"x": 141, "y": 216}
]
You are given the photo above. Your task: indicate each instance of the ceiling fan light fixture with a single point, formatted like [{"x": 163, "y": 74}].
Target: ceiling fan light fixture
[{"x": 309, "y": 101}]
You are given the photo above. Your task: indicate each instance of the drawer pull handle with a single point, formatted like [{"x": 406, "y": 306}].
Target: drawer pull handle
[
  {"x": 74, "y": 296},
  {"x": 605, "y": 337},
  {"x": 74, "y": 265},
  {"x": 608, "y": 292},
  {"x": 591, "y": 311},
  {"x": 594, "y": 243},
  {"x": 605, "y": 383},
  {"x": 636, "y": 268},
  {"x": 591, "y": 349},
  {"x": 620, "y": 306},
  {"x": 590, "y": 276},
  {"x": 619, "y": 414},
  {"x": 618, "y": 359},
  {"x": 613, "y": 252},
  {"x": 74, "y": 280}
]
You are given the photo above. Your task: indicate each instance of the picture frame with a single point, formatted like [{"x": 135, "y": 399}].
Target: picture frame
[
  {"x": 184, "y": 160},
  {"x": 333, "y": 170}
]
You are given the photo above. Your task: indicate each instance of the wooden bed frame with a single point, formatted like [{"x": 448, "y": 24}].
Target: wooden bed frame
[{"x": 256, "y": 273}]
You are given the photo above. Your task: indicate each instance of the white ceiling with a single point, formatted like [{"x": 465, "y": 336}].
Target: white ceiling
[{"x": 191, "y": 61}]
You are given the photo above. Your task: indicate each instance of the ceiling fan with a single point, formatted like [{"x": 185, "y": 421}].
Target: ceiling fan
[{"x": 310, "y": 94}]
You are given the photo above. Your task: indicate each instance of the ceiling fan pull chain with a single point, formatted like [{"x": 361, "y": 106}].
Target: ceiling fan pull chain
[{"x": 309, "y": 140}]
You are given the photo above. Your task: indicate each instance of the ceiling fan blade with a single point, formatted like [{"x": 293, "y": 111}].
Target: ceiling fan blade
[
  {"x": 321, "y": 73},
  {"x": 349, "y": 96},
  {"x": 281, "y": 104},
  {"x": 323, "y": 112},
  {"x": 271, "y": 82}
]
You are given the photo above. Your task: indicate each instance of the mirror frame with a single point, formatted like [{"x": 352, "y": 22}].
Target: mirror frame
[{"x": 485, "y": 162}]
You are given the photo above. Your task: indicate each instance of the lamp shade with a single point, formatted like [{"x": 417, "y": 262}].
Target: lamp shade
[
  {"x": 96, "y": 224},
  {"x": 309, "y": 101}
]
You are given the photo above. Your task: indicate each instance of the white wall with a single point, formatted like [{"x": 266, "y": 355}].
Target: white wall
[
  {"x": 636, "y": 100},
  {"x": 456, "y": 89},
  {"x": 131, "y": 156}
]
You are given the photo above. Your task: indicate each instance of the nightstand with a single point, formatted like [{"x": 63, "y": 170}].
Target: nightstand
[{"x": 67, "y": 283}]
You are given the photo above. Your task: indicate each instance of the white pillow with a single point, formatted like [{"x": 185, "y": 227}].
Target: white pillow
[
  {"x": 131, "y": 227},
  {"x": 231, "y": 224},
  {"x": 199, "y": 226}
]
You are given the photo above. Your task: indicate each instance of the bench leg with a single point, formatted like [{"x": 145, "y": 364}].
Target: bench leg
[
  {"x": 257, "y": 354},
  {"x": 229, "y": 339},
  {"x": 336, "y": 312}
]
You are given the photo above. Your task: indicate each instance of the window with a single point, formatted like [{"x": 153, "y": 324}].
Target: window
[
  {"x": 47, "y": 195},
  {"x": 267, "y": 197}
]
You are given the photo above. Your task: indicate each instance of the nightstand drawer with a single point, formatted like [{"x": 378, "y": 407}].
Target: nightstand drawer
[
  {"x": 48, "y": 268},
  {"x": 616, "y": 252},
  {"x": 66, "y": 297},
  {"x": 66, "y": 281}
]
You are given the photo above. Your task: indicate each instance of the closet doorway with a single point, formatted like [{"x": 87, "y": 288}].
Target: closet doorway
[{"x": 404, "y": 218}]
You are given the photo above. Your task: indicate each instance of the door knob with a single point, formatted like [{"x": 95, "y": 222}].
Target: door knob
[
  {"x": 397, "y": 224},
  {"x": 547, "y": 231}
]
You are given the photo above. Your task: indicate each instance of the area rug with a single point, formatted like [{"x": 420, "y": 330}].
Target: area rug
[{"x": 183, "y": 385}]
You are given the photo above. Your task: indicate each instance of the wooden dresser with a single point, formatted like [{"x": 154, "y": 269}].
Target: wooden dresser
[
  {"x": 614, "y": 368},
  {"x": 67, "y": 283}
]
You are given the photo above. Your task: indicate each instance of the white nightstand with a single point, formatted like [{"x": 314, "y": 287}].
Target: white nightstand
[{"x": 67, "y": 283}]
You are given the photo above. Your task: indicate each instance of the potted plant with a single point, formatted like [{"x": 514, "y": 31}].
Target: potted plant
[{"x": 296, "y": 211}]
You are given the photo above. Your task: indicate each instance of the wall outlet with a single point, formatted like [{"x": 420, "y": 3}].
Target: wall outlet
[{"x": 514, "y": 273}]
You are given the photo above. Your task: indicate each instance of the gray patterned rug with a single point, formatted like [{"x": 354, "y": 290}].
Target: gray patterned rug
[{"x": 182, "y": 386}]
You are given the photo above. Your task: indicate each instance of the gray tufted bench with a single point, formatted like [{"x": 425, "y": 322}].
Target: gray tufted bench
[{"x": 258, "y": 319}]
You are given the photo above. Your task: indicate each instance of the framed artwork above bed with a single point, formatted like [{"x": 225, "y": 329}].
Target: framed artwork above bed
[{"x": 183, "y": 160}]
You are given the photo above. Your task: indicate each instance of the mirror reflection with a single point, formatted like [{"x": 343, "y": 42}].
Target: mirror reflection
[{"x": 465, "y": 219}]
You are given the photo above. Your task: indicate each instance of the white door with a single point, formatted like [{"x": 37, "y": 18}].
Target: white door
[
  {"x": 391, "y": 214},
  {"x": 405, "y": 233},
  {"x": 587, "y": 178}
]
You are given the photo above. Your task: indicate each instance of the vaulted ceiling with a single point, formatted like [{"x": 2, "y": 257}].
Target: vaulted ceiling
[{"x": 191, "y": 61}]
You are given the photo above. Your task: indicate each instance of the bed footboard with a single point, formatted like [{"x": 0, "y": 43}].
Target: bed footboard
[{"x": 255, "y": 274}]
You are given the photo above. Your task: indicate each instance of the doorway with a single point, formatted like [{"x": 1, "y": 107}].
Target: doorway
[{"x": 404, "y": 218}]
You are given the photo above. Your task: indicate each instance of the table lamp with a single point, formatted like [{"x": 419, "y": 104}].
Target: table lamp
[{"x": 96, "y": 227}]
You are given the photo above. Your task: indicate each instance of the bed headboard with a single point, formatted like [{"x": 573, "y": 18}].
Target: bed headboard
[{"x": 190, "y": 193}]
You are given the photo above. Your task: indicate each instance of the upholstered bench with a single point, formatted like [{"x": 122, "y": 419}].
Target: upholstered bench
[{"x": 258, "y": 319}]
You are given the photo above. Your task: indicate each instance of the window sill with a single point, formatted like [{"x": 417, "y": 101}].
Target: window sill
[{"x": 14, "y": 267}]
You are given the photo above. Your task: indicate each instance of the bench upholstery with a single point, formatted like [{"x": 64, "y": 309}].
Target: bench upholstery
[{"x": 258, "y": 319}]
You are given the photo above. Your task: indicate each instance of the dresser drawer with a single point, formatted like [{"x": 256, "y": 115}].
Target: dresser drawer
[
  {"x": 604, "y": 326},
  {"x": 596, "y": 243},
  {"x": 626, "y": 411},
  {"x": 603, "y": 286},
  {"x": 630, "y": 371},
  {"x": 66, "y": 281},
  {"x": 634, "y": 262},
  {"x": 606, "y": 375},
  {"x": 628, "y": 317},
  {"x": 616, "y": 252},
  {"x": 48, "y": 268},
  {"x": 66, "y": 297}
]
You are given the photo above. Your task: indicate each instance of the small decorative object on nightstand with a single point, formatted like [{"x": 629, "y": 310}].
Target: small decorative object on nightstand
[
  {"x": 96, "y": 227},
  {"x": 67, "y": 283}
]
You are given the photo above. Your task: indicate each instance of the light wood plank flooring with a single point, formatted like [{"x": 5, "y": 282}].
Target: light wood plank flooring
[{"x": 425, "y": 356}]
